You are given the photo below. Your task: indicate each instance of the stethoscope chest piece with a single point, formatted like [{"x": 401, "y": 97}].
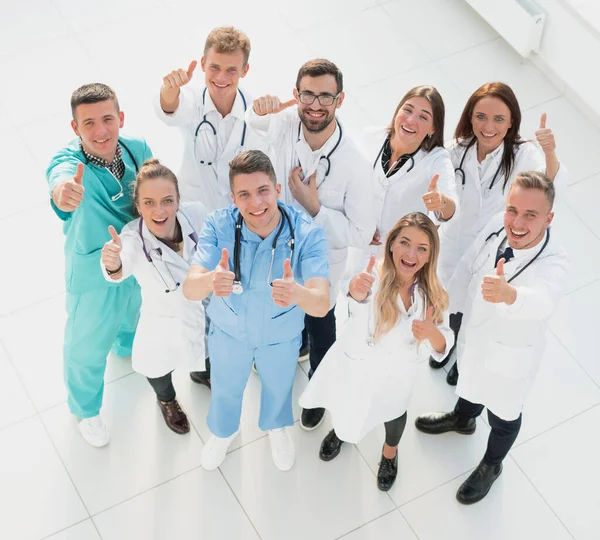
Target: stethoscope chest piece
[
  {"x": 237, "y": 288},
  {"x": 371, "y": 342}
]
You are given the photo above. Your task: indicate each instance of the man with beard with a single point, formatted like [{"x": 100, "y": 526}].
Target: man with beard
[{"x": 322, "y": 172}]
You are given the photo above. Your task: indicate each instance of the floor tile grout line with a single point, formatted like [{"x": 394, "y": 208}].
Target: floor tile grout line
[
  {"x": 574, "y": 357},
  {"x": 365, "y": 524},
  {"x": 33, "y": 304},
  {"x": 407, "y": 522},
  {"x": 541, "y": 496},
  {"x": 588, "y": 177},
  {"x": 67, "y": 528},
  {"x": 581, "y": 220},
  {"x": 239, "y": 502},
  {"x": 577, "y": 289},
  {"x": 522, "y": 443}
]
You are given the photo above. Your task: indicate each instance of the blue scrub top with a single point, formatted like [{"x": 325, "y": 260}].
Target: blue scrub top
[
  {"x": 86, "y": 228},
  {"x": 252, "y": 317}
]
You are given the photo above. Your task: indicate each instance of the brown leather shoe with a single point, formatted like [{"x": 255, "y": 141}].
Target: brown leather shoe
[
  {"x": 201, "y": 377},
  {"x": 175, "y": 418}
]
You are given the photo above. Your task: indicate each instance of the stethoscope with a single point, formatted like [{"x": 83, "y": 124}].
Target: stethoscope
[
  {"x": 193, "y": 235},
  {"x": 328, "y": 156},
  {"x": 237, "y": 281},
  {"x": 460, "y": 170},
  {"x": 391, "y": 170},
  {"x": 521, "y": 270},
  {"x": 205, "y": 121},
  {"x": 137, "y": 170}
]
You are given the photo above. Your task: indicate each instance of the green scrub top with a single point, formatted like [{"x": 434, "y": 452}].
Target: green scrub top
[{"x": 86, "y": 229}]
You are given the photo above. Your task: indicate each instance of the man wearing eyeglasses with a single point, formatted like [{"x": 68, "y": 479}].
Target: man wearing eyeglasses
[{"x": 322, "y": 172}]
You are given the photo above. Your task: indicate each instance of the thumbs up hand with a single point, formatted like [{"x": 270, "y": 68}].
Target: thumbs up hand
[
  {"x": 111, "y": 252},
  {"x": 68, "y": 195},
  {"x": 361, "y": 284},
  {"x": 271, "y": 105},
  {"x": 433, "y": 199},
  {"x": 222, "y": 276},
  {"x": 496, "y": 290},
  {"x": 425, "y": 329},
  {"x": 545, "y": 137},
  {"x": 284, "y": 289}
]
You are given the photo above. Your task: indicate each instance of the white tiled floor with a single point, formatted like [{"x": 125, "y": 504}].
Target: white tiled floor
[{"x": 147, "y": 484}]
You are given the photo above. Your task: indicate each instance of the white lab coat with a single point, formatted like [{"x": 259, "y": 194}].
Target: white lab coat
[
  {"x": 345, "y": 194},
  {"x": 364, "y": 386},
  {"x": 170, "y": 332},
  {"x": 402, "y": 193},
  {"x": 477, "y": 203},
  {"x": 208, "y": 183},
  {"x": 500, "y": 346}
]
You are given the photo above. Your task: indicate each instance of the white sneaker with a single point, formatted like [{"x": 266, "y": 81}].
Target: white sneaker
[
  {"x": 282, "y": 448},
  {"x": 94, "y": 431},
  {"x": 215, "y": 451}
]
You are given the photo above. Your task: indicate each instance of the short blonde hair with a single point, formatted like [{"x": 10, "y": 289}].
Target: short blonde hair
[
  {"x": 536, "y": 180},
  {"x": 226, "y": 40}
]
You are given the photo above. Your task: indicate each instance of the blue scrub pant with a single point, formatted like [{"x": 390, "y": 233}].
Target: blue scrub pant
[
  {"x": 98, "y": 321},
  {"x": 231, "y": 363}
]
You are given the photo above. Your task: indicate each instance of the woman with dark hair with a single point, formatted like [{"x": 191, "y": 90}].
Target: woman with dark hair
[
  {"x": 398, "y": 309},
  {"x": 412, "y": 169},
  {"x": 157, "y": 248},
  {"x": 487, "y": 153}
]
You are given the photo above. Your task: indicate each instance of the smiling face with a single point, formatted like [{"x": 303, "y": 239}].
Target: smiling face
[
  {"x": 157, "y": 203},
  {"x": 413, "y": 122},
  {"x": 491, "y": 120},
  {"x": 527, "y": 216},
  {"x": 256, "y": 195},
  {"x": 316, "y": 117},
  {"x": 98, "y": 125},
  {"x": 222, "y": 72},
  {"x": 410, "y": 252}
]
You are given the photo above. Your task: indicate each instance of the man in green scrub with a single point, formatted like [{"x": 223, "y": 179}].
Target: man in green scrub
[{"x": 89, "y": 182}]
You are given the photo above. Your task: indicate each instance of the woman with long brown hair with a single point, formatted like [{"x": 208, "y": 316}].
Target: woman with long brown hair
[
  {"x": 397, "y": 309},
  {"x": 487, "y": 153}
]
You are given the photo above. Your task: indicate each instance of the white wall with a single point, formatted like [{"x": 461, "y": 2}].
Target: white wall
[{"x": 570, "y": 50}]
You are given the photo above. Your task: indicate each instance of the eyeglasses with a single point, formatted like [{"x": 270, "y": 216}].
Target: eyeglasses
[{"x": 308, "y": 98}]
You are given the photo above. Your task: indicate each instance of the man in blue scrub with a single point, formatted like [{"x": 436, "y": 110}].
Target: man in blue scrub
[
  {"x": 265, "y": 264},
  {"x": 89, "y": 182}
]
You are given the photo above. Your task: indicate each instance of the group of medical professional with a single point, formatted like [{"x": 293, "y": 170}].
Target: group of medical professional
[{"x": 237, "y": 262}]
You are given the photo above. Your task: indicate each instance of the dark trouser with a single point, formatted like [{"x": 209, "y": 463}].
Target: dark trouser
[
  {"x": 321, "y": 336},
  {"x": 394, "y": 429},
  {"x": 455, "y": 322},
  {"x": 163, "y": 386},
  {"x": 503, "y": 435}
]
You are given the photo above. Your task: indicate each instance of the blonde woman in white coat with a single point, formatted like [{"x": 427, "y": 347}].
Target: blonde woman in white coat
[
  {"x": 396, "y": 307},
  {"x": 487, "y": 153},
  {"x": 157, "y": 248}
]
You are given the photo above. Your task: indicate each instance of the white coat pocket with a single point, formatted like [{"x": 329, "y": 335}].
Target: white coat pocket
[{"x": 508, "y": 361}]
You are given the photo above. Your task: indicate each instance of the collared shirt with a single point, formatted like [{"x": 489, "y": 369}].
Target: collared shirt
[
  {"x": 116, "y": 168},
  {"x": 386, "y": 158},
  {"x": 487, "y": 162}
]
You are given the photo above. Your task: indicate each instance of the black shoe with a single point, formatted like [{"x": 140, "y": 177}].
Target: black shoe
[
  {"x": 452, "y": 377},
  {"x": 437, "y": 365},
  {"x": 441, "y": 422},
  {"x": 388, "y": 470},
  {"x": 304, "y": 353},
  {"x": 200, "y": 377},
  {"x": 478, "y": 484},
  {"x": 175, "y": 418},
  {"x": 312, "y": 418},
  {"x": 330, "y": 447}
]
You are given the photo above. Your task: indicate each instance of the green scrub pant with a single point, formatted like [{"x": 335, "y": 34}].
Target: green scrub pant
[{"x": 98, "y": 321}]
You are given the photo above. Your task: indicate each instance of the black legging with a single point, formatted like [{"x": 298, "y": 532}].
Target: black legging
[
  {"x": 394, "y": 429},
  {"x": 163, "y": 386}
]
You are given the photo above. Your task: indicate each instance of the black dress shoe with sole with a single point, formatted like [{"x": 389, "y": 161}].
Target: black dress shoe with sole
[
  {"x": 312, "y": 418},
  {"x": 330, "y": 447},
  {"x": 388, "y": 470},
  {"x": 452, "y": 377},
  {"x": 477, "y": 486},
  {"x": 442, "y": 422},
  {"x": 200, "y": 377}
]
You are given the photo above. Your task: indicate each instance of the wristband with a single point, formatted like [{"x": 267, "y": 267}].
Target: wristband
[{"x": 114, "y": 272}]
